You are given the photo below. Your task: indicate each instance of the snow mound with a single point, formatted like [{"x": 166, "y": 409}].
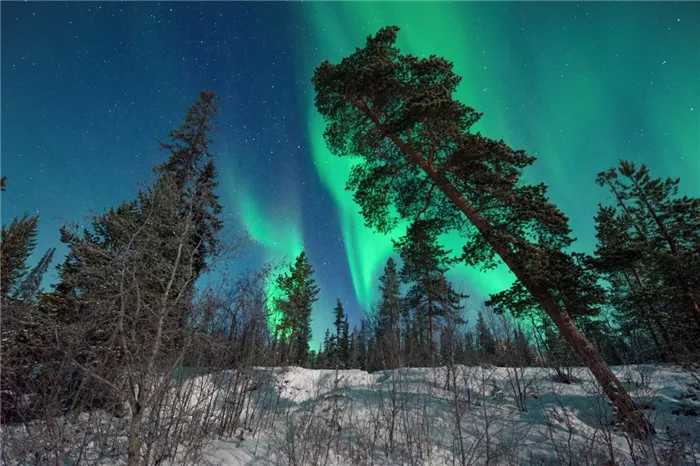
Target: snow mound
[{"x": 299, "y": 385}]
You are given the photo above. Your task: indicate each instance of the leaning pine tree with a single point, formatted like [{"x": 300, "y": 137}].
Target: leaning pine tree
[{"x": 419, "y": 160}]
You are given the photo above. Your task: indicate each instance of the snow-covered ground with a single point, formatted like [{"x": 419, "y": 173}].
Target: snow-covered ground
[
  {"x": 562, "y": 424},
  {"x": 496, "y": 415}
]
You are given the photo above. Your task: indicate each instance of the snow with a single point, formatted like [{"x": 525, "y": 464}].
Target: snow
[
  {"x": 562, "y": 421},
  {"x": 305, "y": 416}
]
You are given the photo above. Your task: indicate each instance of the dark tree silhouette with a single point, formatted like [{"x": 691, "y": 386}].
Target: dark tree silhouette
[
  {"x": 425, "y": 263},
  {"x": 396, "y": 113},
  {"x": 299, "y": 292},
  {"x": 389, "y": 316}
]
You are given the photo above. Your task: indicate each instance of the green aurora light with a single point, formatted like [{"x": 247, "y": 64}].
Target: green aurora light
[
  {"x": 367, "y": 251},
  {"x": 574, "y": 75},
  {"x": 280, "y": 236}
]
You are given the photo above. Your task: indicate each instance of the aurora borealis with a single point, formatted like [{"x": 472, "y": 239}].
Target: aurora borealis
[{"x": 89, "y": 88}]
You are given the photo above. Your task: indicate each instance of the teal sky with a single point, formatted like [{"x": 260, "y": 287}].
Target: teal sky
[
  {"x": 88, "y": 88},
  {"x": 578, "y": 85}
]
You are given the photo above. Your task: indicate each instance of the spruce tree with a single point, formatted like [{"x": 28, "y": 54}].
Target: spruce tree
[
  {"x": 352, "y": 348},
  {"x": 470, "y": 350},
  {"x": 612, "y": 342},
  {"x": 299, "y": 292},
  {"x": 388, "y": 331},
  {"x": 559, "y": 355},
  {"x": 341, "y": 356},
  {"x": 191, "y": 167},
  {"x": 451, "y": 345},
  {"x": 425, "y": 263},
  {"x": 128, "y": 281},
  {"x": 17, "y": 243},
  {"x": 346, "y": 344},
  {"x": 325, "y": 354},
  {"x": 487, "y": 342},
  {"x": 372, "y": 356},
  {"x": 522, "y": 346},
  {"x": 420, "y": 160},
  {"x": 29, "y": 289},
  {"x": 27, "y": 338},
  {"x": 360, "y": 358},
  {"x": 170, "y": 229}
]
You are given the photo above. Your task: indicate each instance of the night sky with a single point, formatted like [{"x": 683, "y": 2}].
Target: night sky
[{"x": 88, "y": 89}]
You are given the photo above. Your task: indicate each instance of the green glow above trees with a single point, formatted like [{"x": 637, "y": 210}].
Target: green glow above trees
[
  {"x": 441, "y": 27},
  {"x": 280, "y": 233},
  {"x": 567, "y": 91}
]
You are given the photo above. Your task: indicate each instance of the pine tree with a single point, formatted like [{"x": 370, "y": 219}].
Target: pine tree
[
  {"x": 341, "y": 356},
  {"x": 389, "y": 315},
  {"x": 487, "y": 342},
  {"x": 299, "y": 292},
  {"x": 360, "y": 360},
  {"x": 420, "y": 161},
  {"x": 648, "y": 244},
  {"x": 129, "y": 280},
  {"x": 17, "y": 243},
  {"x": 181, "y": 201},
  {"x": 635, "y": 295},
  {"x": 425, "y": 263}
]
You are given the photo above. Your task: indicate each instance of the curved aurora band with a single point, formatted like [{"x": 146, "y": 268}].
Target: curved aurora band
[
  {"x": 549, "y": 105},
  {"x": 366, "y": 250},
  {"x": 280, "y": 237}
]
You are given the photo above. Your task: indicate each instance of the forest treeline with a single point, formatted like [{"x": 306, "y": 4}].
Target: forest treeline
[{"x": 139, "y": 300}]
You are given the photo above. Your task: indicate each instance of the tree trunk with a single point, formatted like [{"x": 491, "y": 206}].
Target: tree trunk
[
  {"x": 135, "y": 441},
  {"x": 625, "y": 408},
  {"x": 289, "y": 357},
  {"x": 431, "y": 338},
  {"x": 622, "y": 402}
]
